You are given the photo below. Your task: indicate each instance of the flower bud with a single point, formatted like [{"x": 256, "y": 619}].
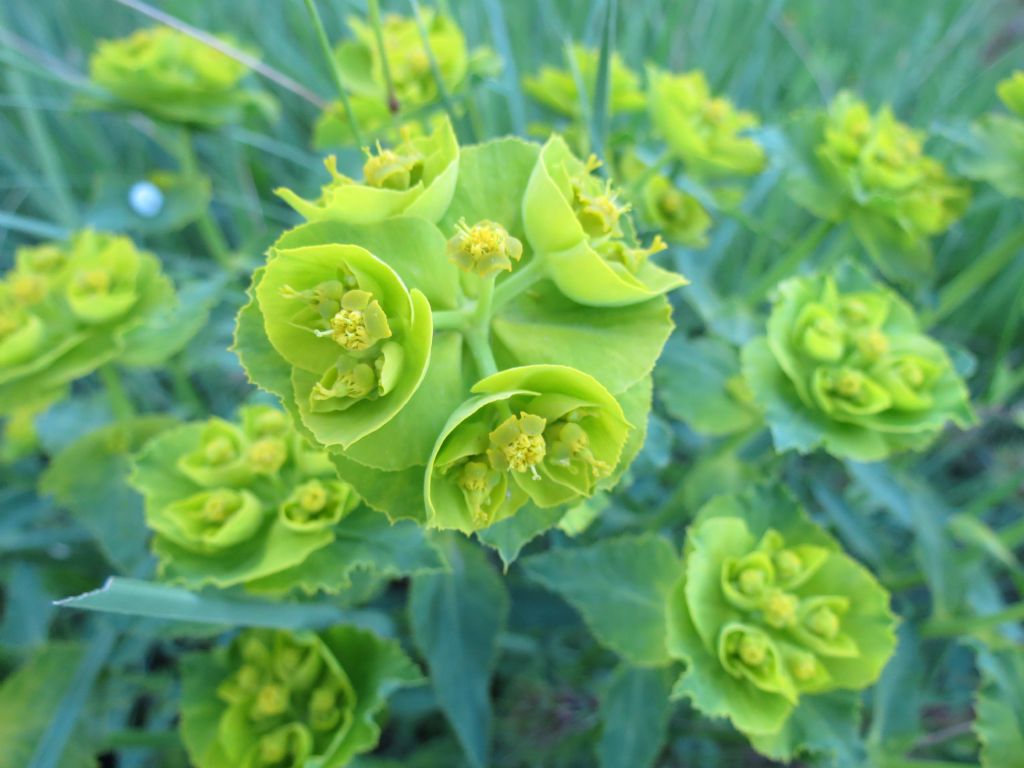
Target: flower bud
[
  {"x": 267, "y": 455},
  {"x": 780, "y": 609}
]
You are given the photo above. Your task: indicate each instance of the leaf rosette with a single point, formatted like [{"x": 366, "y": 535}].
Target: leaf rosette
[
  {"x": 870, "y": 170},
  {"x": 415, "y": 178},
  {"x": 770, "y": 611},
  {"x": 67, "y": 308},
  {"x": 173, "y": 77},
  {"x": 845, "y": 365},
  {"x": 706, "y": 132},
  {"x": 544, "y": 434},
  {"x": 580, "y": 228},
  {"x": 272, "y": 698}
]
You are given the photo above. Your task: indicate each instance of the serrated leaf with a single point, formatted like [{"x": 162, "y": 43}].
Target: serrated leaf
[
  {"x": 364, "y": 540},
  {"x": 509, "y": 536},
  {"x": 455, "y": 619},
  {"x": 1000, "y": 707},
  {"x": 826, "y": 726},
  {"x": 692, "y": 377},
  {"x": 635, "y": 709},
  {"x": 620, "y": 587},
  {"x": 89, "y": 477}
]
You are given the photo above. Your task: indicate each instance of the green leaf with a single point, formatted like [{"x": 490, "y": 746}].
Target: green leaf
[
  {"x": 618, "y": 346},
  {"x": 693, "y": 378},
  {"x": 30, "y": 698},
  {"x": 455, "y": 619},
  {"x": 510, "y": 535},
  {"x": 620, "y": 587},
  {"x": 134, "y": 597},
  {"x": 635, "y": 708},
  {"x": 363, "y": 540},
  {"x": 492, "y": 180},
  {"x": 376, "y": 668},
  {"x": 824, "y": 726},
  {"x": 100, "y": 498},
  {"x": 1000, "y": 707},
  {"x": 171, "y": 329}
]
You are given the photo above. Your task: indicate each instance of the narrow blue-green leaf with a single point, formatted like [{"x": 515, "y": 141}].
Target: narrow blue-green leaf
[
  {"x": 135, "y": 597},
  {"x": 29, "y": 701},
  {"x": 635, "y": 709},
  {"x": 456, "y": 618},
  {"x": 601, "y": 113}
]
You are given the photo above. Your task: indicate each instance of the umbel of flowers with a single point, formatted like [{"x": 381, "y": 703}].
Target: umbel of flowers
[
  {"x": 769, "y": 613},
  {"x": 233, "y": 503},
  {"x": 466, "y": 332},
  {"x": 172, "y": 76},
  {"x": 274, "y": 699},
  {"x": 68, "y": 308},
  {"x": 845, "y": 366},
  {"x": 870, "y": 170}
]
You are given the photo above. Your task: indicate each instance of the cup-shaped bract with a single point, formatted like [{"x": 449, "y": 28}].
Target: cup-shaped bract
[
  {"x": 556, "y": 88},
  {"x": 174, "y": 77},
  {"x": 272, "y": 698},
  {"x": 580, "y": 227},
  {"x": 706, "y": 132},
  {"x": 65, "y": 310},
  {"x": 231, "y": 503},
  {"x": 354, "y": 339},
  {"x": 415, "y": 178},
  {"x": 546, "y": 434},
  {"x": 769, "y": 610},
  {"x": 845, "y": 359},
  {"x": 678, "y": 215}
]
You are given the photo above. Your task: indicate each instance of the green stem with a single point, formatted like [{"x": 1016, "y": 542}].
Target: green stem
[
  {"x": 120, "y": 403},
  {"x": 519, "y": 281},
  {"x": 451, "y": 319},
  {"x": 480, "y": 347},
  {"x": 788, "y": 264},
  {"x": 435, "y": 69},
  {"x": 46, "y": 153},
  {"x": 969, "y": 624},
  {"x": 212, "y": 235},
  {"x": 332, "y": 65},
  {"x": 373, "y": 7}
]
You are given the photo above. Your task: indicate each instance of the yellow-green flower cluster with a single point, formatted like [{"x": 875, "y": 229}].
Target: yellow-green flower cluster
[
  {"x": 706, "y": 132},
  {"x": 769, "y": 610},
  {"x": 275, "y": 699},
  {"x": 846, "y": 358},
  {"x": 66, "y": 308},
  {"x": 174, "y": 77},
  {"x": 231, "y": 503},
  {"x": 406, "y": 59},
  {"x": 557, "y": 88}
]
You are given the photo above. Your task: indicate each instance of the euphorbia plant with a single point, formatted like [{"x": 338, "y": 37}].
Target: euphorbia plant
[
  {"x": 68, "y": 308},
  {"x": 769, "y": 613},
  {"x": 844, "y": 365},
  {"x": 400, "y": 344},
  {"x": 273, "y": 698},
  {"x": 176, "y": 78},
  {"x": 870, "y": 170}
]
